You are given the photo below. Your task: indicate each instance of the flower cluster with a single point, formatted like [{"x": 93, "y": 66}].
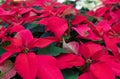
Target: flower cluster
[{"x": 45, "y": 39}]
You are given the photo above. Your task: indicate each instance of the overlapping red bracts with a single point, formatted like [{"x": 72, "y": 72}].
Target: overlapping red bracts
[{"x": 92, "y": 47}]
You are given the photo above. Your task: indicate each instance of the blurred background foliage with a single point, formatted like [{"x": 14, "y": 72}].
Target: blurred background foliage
[
  {"x": 1, "y": 1},
  {"x": 80, "y": 4}
]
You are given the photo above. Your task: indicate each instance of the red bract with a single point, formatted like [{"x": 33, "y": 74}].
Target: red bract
[
  {"x": 7, "y": 16},
  {"x": 110, "y": 1},
  {"x": 88, "y": 50},
  {"x": 85, "y": 28},
  {"x": 18, "y": 13},
  {"x": 70, "y": 60},
  {"x": 86, "y": 32},
  {"x": 116, "y": 28},
  {"x": 56, "y": 25},
  {"x": 90, "y": 45},
  {"x": 28, "y": 15},
  {"x": 112, "y": 46},
  {"x": 99, "y": 12},
  {"x": 95, "y": 56},
  {"x": 26, "y": 63},
  {"x": 95, "y": 61},
  {"x": 48, "y": 67},
  {"x": 6, "y": 34},
  {"x": 113, "y": 62},
  {"x": 108, "y": 11},
  {"x": 78, "y": 19},
  {"x": 39, "y": 2},
  {"x": 26, "y": 40},
  {"x": 102, "y": 27},
  {"x": 95, "y": 72},
  {"x": 29, "y": 65},
  {"x": 57, "y": 9}
]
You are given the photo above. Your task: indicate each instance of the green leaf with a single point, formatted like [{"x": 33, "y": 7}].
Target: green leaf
[
  {"x": 70, "y": 74},
  {"x": 52, "y": 50},
  {"x": 117, "y": 77},
  {"x": 90, "y": 18},
  {"x": 70, "y": 16},
  {"x": 118, "y": 45},
  {"x": 6, "y": 43},
  {"x": 37, "y": 7},
  {"x": 1, "y": 51}
]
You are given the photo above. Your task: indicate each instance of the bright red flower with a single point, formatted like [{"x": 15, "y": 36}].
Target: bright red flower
[
  {"x": 27, "y": 63},
  {"x": 96, "y": 58},
  {"x": 97, "y": 68},
  {"x": 97, "y": 62},
  {"x": 98, "y": 71}
]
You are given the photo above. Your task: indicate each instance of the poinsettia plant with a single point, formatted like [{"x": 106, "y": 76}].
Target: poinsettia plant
[{"x": 45, "y": 39}]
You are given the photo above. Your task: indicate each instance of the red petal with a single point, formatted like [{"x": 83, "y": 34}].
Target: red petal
[
  {"x": 48, "y": 68},
  {"x": 16, "y": 28},
  {"x": 5, "y": 56},
  {"x": 17, "y": 42},
  {"x": 113, "y": 62},
  {"x": 13, "y": 47},
  {"x": 101, "y": 11},
  {"x": 104, "y": 25},
  {"x": 26, "y": 65},
  {"x": 82, "y": 30},
  {"x": 78, "y": 19},
  {"x": 42, "y": 42},
  {"x": 44, "y": 21},
  {"x": 110, "y": 1},
  {"x": 85, "y": 32},
  {"x": 93, "y": 47},
  {"x": 24, "y": 10},
  {"x": 69, "y": 60},
  {"x": 89, "y": 49},
  {"x": 102, "y": 71},
  {"x": 116, "y": 27},
  {"x": 56, "y": 25},
  {"x": 4, "y": 12},
  {"x": 84, "y": 50},
  {"x": 112, "y": 45},
  {"x": 25, "y": 36}
]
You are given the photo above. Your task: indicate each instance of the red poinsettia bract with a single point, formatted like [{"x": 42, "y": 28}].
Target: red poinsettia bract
[
  {"x": 30, "y": 65},
  {"x": 93, "y": 60}
]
